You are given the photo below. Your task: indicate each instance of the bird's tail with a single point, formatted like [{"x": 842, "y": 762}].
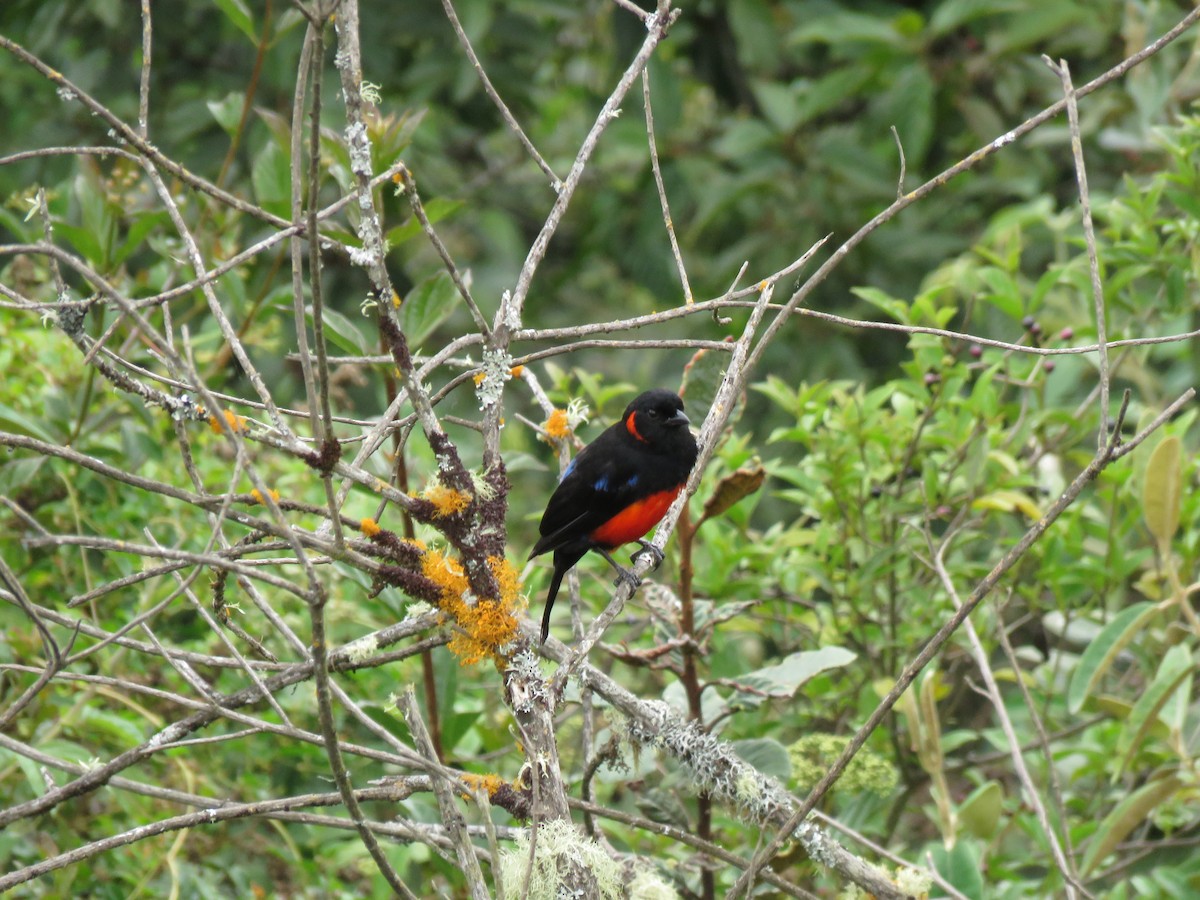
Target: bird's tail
[{"x": 555, "y": 583}]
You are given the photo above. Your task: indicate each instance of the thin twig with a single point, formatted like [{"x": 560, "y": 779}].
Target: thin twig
[
  {"x": 688, "y": 299},
  {"x": 1033, "y": 795},
  {"x": 512, "y": 306},
  {"x": 1089, "y": 236},
  {"x": 903, "y": 163},
  {"x": 414, "y": 201},
  {"x": 452, "y": 819},
  {"x": 491, "y": 91},
  {"x": 144, "y": 83}
]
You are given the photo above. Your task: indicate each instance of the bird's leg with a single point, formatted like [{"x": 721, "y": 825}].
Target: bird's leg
[
  {"x": 648, "y": 547},
  {"x": 623, "y": 574}
]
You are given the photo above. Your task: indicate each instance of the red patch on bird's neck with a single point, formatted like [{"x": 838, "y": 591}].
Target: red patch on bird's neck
[{"x": 631, "y": 426}]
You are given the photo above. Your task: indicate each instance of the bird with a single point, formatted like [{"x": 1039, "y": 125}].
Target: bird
[{"x": 618, "y": 487}]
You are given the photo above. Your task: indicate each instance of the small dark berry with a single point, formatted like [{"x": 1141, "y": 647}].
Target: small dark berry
[
  {"x": 1035, "y": 329},
  {"x": 876, "y": 491},
  {"x": 1028, "y": 322},
  {"x": 976, "y": 351},
  {"x": 1066, "y": 334},
  {"x": 1049, "y": 366},
  {"x": 932, "y": 378}
]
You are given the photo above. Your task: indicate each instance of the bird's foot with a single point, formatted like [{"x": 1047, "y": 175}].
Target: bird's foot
[
  {"x": 624, "y": 576},
  {"x": 648, "y": 547}
]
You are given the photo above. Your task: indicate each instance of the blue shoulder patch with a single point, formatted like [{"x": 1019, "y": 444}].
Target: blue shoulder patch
[
  {"x": 568, "y": 470},
  {"x": 604, "y": 483}
]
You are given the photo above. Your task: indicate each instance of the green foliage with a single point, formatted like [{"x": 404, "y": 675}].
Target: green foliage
[
  {"x": 881, "y": 449},
  {"x": 813, "y": 754}
]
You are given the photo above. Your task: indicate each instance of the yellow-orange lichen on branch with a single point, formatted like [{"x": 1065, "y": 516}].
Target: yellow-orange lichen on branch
[
  {"x": 487, "y": 623},
  {"x": 516, "y": 371},
  {"x": 258, "y": 497},
  {"x": 369, "y": 527},
  {"x": 558, "y": 426},
  {"x": 446, "y": 501},
  {"x": 236, "y": 424},
  {"x": 488, "y": 783}
]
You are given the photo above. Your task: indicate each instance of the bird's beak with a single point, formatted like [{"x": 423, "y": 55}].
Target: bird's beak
[{"x": 680, "y": 418}]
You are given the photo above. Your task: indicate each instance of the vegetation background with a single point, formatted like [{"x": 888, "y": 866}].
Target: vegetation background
[{"x": 901, "y": 432}]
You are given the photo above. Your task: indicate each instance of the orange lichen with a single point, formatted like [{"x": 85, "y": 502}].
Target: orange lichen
[
  {"x": 446, "y": 501},
  {"x": 488, "y": 783},
  {"x": 479, "y": 378},
  {"x": 558, "y": 426},
  {"x": 258, "y": 497},
  {"x": 369, "y": 527},
  {"x": 396, "y": 300},
  {"x": 235, "y": 423},
  {"x": 516, "y": 371},
  {"x": 487, "y": 623}
]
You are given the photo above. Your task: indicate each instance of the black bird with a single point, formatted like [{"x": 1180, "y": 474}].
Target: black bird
[{"x": 618, "y": 487}]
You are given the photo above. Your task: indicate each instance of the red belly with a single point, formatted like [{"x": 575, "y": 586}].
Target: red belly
[{"x": 635, "y": 520}]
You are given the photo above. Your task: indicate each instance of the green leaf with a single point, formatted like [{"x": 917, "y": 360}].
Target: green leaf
[
  {"x": 1051, "y": 20},
  {"x": 1101, "y": 652},
  {"x": 426, "y": 307},
  {"x": 141, "y": 226},
  {"x": 897, "y": 309},
  {"x": 1174, "y": 712},
  {"x": 83, "y": 240},
  {"x": 796, "y": 669},
  {"x": 953, "y": 14},
  {"x": 97, "y": 215},
  {"x": 1177, "y": 665},
  {"x": 767, "y": 756},
  {"x": 1003, "y": 292},
  {"x": 435, "y": 210},
  {"x": 1008, "y": 501},
  {"x": 388, "y": 719},
  {"x": 702, "y": 378},
  {"x": 238, "y": 13},
  {"x": 780, "y": 103},
  {"x": 847, "y": 27},
  {"x": 827, "y": 92},
  {"x": 1162, "y": 490},
  {"x": 341, "y": 331},
  {"x": 980, "y": 812},
  {"x": 1128, "y": 815},
  {"x": 124, "y": 732},
  {"x": 18, "y": 423},
  {"x": 456, "y": 727},
  {"x": 959, "y": 865},
  {"x": 227, "y": 112},
  {"x": 272, "y": 180},
  {"x": 910, "y": 104}
]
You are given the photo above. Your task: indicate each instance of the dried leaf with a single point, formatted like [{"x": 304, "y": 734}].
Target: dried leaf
[{"x": 732, "y": 488}]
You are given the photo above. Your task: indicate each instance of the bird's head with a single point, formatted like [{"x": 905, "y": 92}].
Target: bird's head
[{"x": 656, "y": 417}]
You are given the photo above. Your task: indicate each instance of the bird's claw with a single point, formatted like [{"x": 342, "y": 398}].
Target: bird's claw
[
  {"x": 648, "y": 547},
  {"x": 624, "y": 576}
]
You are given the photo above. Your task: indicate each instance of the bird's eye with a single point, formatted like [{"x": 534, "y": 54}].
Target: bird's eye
[{"x": 652, "y": 413}]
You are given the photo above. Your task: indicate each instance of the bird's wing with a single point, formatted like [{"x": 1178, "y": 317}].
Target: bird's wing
[{"x": 597, "y": 485}]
